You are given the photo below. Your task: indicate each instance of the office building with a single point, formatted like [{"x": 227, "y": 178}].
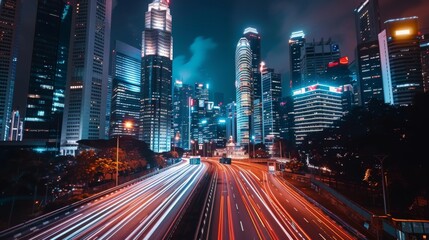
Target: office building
[
  {"x": 125, "y": 100},
  {"x": 316, "y": 107},
  {"x": 8, "y": 18},
  {"x": 182, "y": 99},
  {"x": 231, "y": 121},
  {"x": 254, "y": 39},
  {"x": 244, "y": 90},
  {"x": 370, "y": 82},
  {"x": 42, "y": 69},
  {"x": 296, "y": 44},
  {"x": 401, "y": 61},
  {"x": 85, "y": 108},
  {"x": 271, "y": 96},
  {"x": 315, "y": 59},
  {"x": 157, "y": 57}
]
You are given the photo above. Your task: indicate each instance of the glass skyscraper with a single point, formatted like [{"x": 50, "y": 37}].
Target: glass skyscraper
[
  {"x": 8, "y": 17},
  {"x": 125, "y": 104},
  {"x": 271, "y": 96},
  {"x": 182, "y": 98},
  {"x": 244, "y": 90},
  {"x": 315, "y": 59},
  {"x": 401, "y": 61},
  {"x": 252, "y": 35},
  {"x": 296, "y": 44},
  {"x": 370, "y": 82},
  {"x": 156, "y": 80},
  {"x": 41, "y": 77},
  {"x": 86, "y": 92}
]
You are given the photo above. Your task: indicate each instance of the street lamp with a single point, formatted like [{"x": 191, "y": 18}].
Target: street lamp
[{"x": 127, "y": 125}]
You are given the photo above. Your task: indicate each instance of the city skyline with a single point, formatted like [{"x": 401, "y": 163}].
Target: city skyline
[{"x": 201, "y": 45}]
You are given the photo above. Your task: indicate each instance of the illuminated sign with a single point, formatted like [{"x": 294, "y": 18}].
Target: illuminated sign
[
  {"x": 335, "y": 89},
  {"x": 402, "y": 32},
  {"x": 210, "y": 105},
  {"x": 332, "y": 64},
  {"x": 344, "y": 60},
  {"x": 297, "y": 34}
]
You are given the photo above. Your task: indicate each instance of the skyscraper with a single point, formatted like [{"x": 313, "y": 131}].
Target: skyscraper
[
  {"x": 316, "y": 107},
  {"x": 182, "y": 97},
  {"x": 315, "y": 59},
  {"x": 40, "y": 95},
  {"x": 244, "y": 90},
  {"x": 125, "y": 101},
  {"x": 370, "y": 82},
  {"x": 296, "y": 44},
  {"x": 8, "y": 18},
  {"x": 157, "y": 56},
  {"x": 271, "y": 94},
  {"x": 401, "y": 61},
  {"x": 252, "y": 35},
  {"x": 85, "y": 108}
]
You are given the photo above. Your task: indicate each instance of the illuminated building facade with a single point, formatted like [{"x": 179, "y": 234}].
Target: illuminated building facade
[
  {"x": 8, "y": 16},
  {"x": 296, "y": 44},
  {"x": 244, "y": 90},
  {"x": 231, "y": 121},
  {"x": 85, "y": 107},
  {"x": 367, "y": 17},
  {"x": 401, "y": 61},
  {"x": 252, "y": 35},
  {"x": 271, "y": 94},
  {"x": 156, "y": 77},
  {"x": 315, "y": 59},
  {"x": 42, "y": 70},
  {"x": 316, "y": 107},
  {"x": 424, "y": 47},
  {"x": 182, "y": 98},
  {"x": 125, "y": 104}
]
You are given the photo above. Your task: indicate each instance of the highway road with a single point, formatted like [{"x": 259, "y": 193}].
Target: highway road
[
  {"x": 144, "y": 210},
  {"x": 252, "y": 203},
  {"x": 242, "y": 200}
]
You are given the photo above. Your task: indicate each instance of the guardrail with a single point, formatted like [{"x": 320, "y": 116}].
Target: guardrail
[
  {"x": 15, "y": 231},
  {"x": 349, "y": 228}
]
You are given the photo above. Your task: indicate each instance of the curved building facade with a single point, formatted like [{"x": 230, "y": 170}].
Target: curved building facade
[
  {"x": 244, "y": 90},
  {"x": 156, "y": 80}
]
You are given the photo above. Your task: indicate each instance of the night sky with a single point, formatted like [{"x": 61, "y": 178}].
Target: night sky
[{"x": 205, "y": 33}]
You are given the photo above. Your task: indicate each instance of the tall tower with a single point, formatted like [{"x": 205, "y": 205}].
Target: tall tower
[
  {"x": 296, "y": 44},
  {"x": 85, "y": 107},
  {"x": 315, "y": 59},
  {"x": 126, "y": 71},
  {"x": 252, "y": 35},
  {"x": 370, "y": 83},
  {"x": 182, "y": 98},
  {"x": 8, "y": 19},
  {"x": 40, "y": 95},
  {"x": 271, "y": 94},
  {"x": 244, "y": 90},
  {"x": 157, "y": 56},
  {"x": 401, "y": 61}
]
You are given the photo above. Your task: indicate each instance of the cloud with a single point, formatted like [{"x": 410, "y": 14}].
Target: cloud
[{"x": 190, "y": 70}]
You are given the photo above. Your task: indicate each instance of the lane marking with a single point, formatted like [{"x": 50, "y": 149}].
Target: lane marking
[{"x": 242, "y": 229}]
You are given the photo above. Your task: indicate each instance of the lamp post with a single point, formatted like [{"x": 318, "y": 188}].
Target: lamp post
[
  {"x": 127, "y": 125},
  {"x": 383, "y": 180}
]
